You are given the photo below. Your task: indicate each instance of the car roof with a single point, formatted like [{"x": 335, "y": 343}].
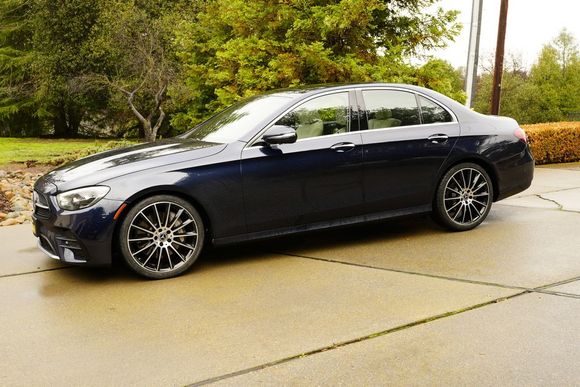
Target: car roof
[{"x": 302, "y": 92}]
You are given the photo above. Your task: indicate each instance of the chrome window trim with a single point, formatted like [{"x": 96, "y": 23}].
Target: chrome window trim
[
  {"x": 258, "y": 136},
  {"x": 360, "y": 89},
  {"x": 435, "y": 124}
]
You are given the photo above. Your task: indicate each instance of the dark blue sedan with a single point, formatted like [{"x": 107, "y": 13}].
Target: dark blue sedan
[{"x": 284, "y": 162}]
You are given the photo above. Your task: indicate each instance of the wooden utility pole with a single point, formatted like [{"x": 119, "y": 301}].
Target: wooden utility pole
[
  {"x": 499, "y": 52},
  {"x": 473, "y": 52}
]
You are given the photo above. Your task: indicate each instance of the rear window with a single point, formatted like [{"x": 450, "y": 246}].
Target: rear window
[{"x": 432, "y": 112}]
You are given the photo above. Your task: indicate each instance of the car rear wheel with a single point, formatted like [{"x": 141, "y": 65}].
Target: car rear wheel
[
  {"x": 463, "y": 198},
  {"x": 161, "y": 236}
]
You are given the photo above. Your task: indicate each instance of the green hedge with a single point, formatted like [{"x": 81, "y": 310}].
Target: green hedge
[{"x": 556, "y": 142}]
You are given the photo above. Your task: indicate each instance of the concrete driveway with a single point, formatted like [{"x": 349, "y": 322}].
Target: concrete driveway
[{"x": 393, "y": 303}]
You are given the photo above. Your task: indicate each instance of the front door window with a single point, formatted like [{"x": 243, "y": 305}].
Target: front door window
[{"x": 320, "y": 116}]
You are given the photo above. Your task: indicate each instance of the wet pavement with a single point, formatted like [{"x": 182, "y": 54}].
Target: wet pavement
[{"x": 401, "y": 302}]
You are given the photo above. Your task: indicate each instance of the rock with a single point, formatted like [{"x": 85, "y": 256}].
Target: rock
[
  {"x": 10, "y": 222},
  {"x": 20, "y": 205},
  {"x": 16, "y": 190},
  {"x": 21, "y": 219}
]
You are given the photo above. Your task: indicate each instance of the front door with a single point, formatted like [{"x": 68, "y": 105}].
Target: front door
[{"x": 316, "y": 179}]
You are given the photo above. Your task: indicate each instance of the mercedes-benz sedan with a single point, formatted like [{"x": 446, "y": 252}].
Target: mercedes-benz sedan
[{"x": 284, "y": 162}]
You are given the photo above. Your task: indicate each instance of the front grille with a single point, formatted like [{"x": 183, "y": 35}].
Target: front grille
[
  {"x": 41, "y": 208},
  {"x": 70, "y": 248},
  {"x": 68, "y": 243}
]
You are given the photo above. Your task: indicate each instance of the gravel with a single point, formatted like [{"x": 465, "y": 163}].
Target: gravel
[{"x": 16, "y": 196}]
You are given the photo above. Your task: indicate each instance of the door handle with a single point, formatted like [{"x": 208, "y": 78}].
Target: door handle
[
  {"x": 438, "y": 138},
  {"x": 343, "y": 147}
]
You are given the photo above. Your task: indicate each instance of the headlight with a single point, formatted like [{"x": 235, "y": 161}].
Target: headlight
[{"x": 81, "y": 198}]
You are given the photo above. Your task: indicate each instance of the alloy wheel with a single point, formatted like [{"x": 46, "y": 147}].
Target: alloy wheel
[
  {"x": 466, "y": 196},
  {"x": 162, "y": 237}
]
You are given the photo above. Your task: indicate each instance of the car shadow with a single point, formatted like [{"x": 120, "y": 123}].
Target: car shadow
[
  {"x": 214, "y": 258},
  {"x": 384, "y": 231}
]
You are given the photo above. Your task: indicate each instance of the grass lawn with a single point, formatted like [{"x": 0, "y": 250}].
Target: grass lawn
[{"x": 43, "y": 151}]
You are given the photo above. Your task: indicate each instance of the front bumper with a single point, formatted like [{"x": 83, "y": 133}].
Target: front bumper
[{"x": 82, "y": 237}]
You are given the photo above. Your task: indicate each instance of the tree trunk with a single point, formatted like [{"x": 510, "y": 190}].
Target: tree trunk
[
  {"x": 59, "y": 122},
  {"x": 149, "y": 134},
  {"x": 74, "y": 121},
  {"x": 66, "y": 121}
]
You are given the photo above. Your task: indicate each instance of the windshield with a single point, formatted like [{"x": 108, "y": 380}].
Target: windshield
[{"x": 237, "y": 120}]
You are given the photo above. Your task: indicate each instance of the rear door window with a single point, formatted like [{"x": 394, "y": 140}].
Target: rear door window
[{"x": 390, "y": 108}]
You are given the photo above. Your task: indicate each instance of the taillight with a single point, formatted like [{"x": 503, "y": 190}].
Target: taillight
[{"x": 519, "y": 133}]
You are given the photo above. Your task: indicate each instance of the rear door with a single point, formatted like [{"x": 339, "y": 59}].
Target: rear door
[{"x": 406, "y": 138}]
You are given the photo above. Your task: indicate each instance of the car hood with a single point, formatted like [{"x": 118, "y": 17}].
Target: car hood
[{"x": 114, "y": 163}]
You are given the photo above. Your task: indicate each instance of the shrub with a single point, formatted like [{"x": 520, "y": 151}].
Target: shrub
[{"x": 556, "y": 142}]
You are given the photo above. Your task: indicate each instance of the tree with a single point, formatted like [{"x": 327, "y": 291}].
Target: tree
[
  {"x": 440, "y": 76},
  {"x": 68, "y": 65},
  {"x": 61, "y": 48},
  {"x": 136, "y": 45},
  {"x": 18, "y": 108},
  {"x": 547, "y": 93},
  {"x": 234, "y": 48}
]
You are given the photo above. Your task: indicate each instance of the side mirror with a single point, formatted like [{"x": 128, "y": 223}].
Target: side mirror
[{"x": 280, "y": 134}]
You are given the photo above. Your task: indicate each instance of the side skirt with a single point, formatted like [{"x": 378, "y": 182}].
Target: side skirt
[{"x": 322, "y": 225}]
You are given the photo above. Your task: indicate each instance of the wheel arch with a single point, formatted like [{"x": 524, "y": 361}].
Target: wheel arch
[
  {"x": 160, "y": 190},
  {"x": 482, "y": 162}
]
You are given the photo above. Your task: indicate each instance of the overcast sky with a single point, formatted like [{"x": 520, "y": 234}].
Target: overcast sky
[{"x": 530, "y": 25}]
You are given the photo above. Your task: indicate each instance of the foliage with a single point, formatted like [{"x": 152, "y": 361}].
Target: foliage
[
  {"x": 236, "y": 48},
  {"x": 554, "y": 142},
  {"x": 49, "y": 151},
  {"x": 135, "y": 41},
  {"x": 17, "y": 104},
  {"x": 61, "y": 46},
  {"x": 73, "y": 67},
  {"x": 549, "y": 92},
  {"x": 440, "y": 76}
]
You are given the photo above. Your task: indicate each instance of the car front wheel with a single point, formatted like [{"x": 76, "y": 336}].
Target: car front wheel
[
  {"x": 161, "y": 236},
  {"x": 463, "y": 198}
]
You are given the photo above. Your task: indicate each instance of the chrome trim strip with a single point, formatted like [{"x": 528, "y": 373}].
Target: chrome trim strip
[
  {"x": 66, "y": 239},
  {"x": 50, "y": 255},
  {"x": 70, "y": 247}
]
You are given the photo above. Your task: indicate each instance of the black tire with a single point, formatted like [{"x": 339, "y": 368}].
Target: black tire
[
  {"x": 156, "y": 238},
  {"x": 463, "y": 197}
]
